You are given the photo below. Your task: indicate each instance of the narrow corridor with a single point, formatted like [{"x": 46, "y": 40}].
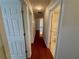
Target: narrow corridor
[
  {"x": 22, "y": 22},
  {"x": 39, "y": 49}
]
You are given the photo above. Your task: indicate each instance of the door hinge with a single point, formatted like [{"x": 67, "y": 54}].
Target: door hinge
[{"x": 24, "y": 34}]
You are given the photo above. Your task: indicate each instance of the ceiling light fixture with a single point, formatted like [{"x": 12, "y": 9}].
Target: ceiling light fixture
[{"x": 38, "y": 8}]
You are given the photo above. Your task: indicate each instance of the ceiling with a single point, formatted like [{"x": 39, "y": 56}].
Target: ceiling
[
  {"x": 39, "y": 7},
  {"x": 42, "y": 4}
]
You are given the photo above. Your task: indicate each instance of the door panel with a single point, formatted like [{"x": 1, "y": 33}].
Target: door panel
[{"x": 12, "y": 18}]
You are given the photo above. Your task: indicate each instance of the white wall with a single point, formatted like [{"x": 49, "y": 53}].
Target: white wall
[
  {"x": 29, "y": 25},
  {"x": 47, "y": 20},
  {"x": 33, "y": 28},
  {"x": 68, "y": 40},
  {"x": 37, "y": 21},
  {"x": 47, "y": 25},
  {"x": 27, "y": 30},
  {"x": 41, "y": 26}
]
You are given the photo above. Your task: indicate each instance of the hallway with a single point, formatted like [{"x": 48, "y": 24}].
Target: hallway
[
  {"x": 22, "y": 22},
  {"x": 39, "y": 49}
]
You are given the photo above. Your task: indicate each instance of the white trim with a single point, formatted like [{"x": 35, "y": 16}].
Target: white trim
[
  {"x": 48, "y": 13},
  {"x": 59, "y": 27}
]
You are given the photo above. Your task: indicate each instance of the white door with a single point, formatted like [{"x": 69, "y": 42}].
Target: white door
[{"x": 12, "y": 18}]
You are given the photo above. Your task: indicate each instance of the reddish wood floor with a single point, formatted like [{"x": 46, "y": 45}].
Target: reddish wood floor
[{"x": 39, "y": 50}]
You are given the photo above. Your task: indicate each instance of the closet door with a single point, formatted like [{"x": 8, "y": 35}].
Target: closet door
[{"x": 12, "y": 18}]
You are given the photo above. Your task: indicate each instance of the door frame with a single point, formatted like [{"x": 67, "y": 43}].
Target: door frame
[{"x": 59, "y": 24}]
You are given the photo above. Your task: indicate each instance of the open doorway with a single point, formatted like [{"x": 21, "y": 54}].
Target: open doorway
[
  {"x": 41, "y": 26},
  {"x": 54, "y": 29}
]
